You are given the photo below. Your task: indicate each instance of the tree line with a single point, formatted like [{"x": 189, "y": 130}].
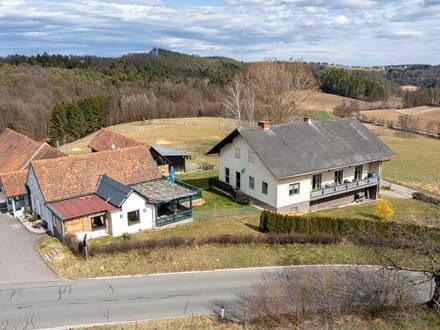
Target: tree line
[
  {"x": 422, "y": 96},
  {"x": 340, "y": 82},
  {"x": 70, "y": 121}
]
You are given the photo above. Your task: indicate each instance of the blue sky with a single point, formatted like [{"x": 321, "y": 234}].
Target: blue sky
[{"x": 352, "y": 32}]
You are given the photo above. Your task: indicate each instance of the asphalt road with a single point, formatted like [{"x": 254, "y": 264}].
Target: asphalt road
[
  {"x": 19, "y": 259},
  {"x": 97, "y": 301}
]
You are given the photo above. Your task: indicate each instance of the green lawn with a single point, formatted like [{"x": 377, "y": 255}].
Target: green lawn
[
  {"x": 405, "y": 210},
  {"x": 416, "y": 164},
  {"x": 321, "y": 115},
  {"x": 213, "y": 198}
]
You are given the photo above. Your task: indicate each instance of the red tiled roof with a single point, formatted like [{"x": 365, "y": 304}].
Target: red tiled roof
[
  {"x": 18, "y": 150},
  {"x": 81, "y": 206},
  {"x": 13, "y": 183},
  {"x": 74, "y": 176},
  {"x": 105, "y": 139}
]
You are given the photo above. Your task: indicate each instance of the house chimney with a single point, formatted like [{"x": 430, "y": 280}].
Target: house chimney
[
  {"x": 307, "y": 120},
  {"x": 264, "y": 124}
]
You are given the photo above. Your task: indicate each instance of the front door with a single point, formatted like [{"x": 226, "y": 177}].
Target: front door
[{"x": 237, "y": 180}]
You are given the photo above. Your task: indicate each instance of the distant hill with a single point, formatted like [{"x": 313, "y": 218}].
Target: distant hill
[{"x": 159, "y": 84}]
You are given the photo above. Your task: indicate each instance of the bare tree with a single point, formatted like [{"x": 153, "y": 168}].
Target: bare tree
[
  {"x": 346, "y": 110},
  {"x": 280, "y": 88},
  {"x": 270, "y": 90},
  {"x": 325, "y": 291},
  {"x": 232, "y": 99}
]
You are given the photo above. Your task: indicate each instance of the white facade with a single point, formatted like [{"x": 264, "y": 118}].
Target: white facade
[
  {"x": 290, "y": 194},
  {"x": 246, "y": 168},
  {"x": 118, "y": 220}
]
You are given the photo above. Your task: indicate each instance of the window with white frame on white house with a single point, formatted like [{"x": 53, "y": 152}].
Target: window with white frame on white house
[
  {"x": 226, "y": 175},
  {"x": 251, "y": 182},
  {"x": 251, "y": 156},
  {"x": 264, "y": 187},
  {"x": 294, "y": 189},
  {"x": 237, "y": 153}
]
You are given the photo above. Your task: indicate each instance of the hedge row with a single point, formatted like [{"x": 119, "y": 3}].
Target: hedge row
[
  {"x": 343, "y": 227},
  {"x": 426, "y": 198},
  {"x": 175, "y": 242}
]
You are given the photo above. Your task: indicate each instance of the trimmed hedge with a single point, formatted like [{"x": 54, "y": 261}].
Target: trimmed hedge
[
  {"x": 426, "y": 198},
  {"x": 345, "y": 227},
  {"x": 175, "y": 242}
]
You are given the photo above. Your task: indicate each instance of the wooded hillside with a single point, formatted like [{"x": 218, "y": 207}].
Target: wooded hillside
[{"x": 158, "y": 84}]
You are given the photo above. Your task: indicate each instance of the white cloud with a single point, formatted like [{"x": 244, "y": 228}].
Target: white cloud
[{"x": 342, "y": 31}]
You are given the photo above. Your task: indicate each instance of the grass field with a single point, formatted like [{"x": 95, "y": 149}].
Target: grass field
[
  {"x": 425, "y": 115},
  {"x": 405, "y": 210},
  {"x": 417, "y": 163},
  {"x": 193, "y": 135}
]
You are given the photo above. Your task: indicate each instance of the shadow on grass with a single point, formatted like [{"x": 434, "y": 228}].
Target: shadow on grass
[{"x": 253, "y": 227}]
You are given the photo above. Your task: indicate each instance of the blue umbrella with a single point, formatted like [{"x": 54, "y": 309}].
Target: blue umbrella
[{"x": 172, "y": 177}]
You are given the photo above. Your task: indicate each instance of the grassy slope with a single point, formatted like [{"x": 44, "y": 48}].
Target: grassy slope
[
  {"x": 416, "y": 164},
  {"x": 405, "y": 210}
]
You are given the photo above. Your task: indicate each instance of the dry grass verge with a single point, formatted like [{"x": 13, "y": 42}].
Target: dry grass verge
[
  {"x": 416, "y": 319},
  {"x": 208, "y": 257}
]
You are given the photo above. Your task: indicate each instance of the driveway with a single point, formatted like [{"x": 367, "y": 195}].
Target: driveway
[{"x": 19, "y": 259}]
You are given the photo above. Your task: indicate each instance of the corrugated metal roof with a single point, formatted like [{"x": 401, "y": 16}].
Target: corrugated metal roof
[
  {"x": 167, "y": 151},
  {"x": 80, "y": 206},
  {"x": 112, "y": 191},
  {"x": 302, "y": 147}
]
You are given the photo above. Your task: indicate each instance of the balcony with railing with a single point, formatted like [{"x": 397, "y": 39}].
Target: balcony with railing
[{"x": 342, "y": 188}]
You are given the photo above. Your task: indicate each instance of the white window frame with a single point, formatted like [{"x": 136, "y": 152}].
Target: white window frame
[
  {"x": 361, "y": 174},
  {"x": 237, "y": 153},
  {"x": 227, "y": 175},
  {"x": 251, "y": 179},
  {"x": 294, "y": 188}
]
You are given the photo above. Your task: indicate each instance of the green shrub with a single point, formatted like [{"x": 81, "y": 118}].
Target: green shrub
[{"x": 346, "y": 227}]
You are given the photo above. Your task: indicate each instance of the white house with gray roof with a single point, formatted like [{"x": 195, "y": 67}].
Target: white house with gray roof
[{"x": 303, "y": 166}]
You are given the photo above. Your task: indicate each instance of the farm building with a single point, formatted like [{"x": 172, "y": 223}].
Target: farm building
[
  {"x": 302, "y": 166},
  {"x": 17, "y": 151},
  {"x": 175, "y": 157},
  {"x": 105, "y": 193}
]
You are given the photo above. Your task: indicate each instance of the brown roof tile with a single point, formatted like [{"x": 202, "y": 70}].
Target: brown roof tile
[
  {"x": 106, "y": 138},
  {"x": 18, "y": 150},
  {"x": 78, "y": 175},
  {"x": 13, "y": 183}
]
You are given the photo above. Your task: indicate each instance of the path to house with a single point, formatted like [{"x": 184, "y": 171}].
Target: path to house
[
  {"x": 96, "y": 301},
  {"x": 19, "y": 259},
  {"x": 397, "y": 191}
]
